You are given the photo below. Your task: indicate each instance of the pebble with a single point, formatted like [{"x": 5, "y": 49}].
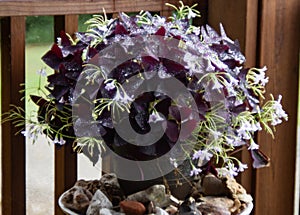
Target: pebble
[
  {"x": 132, "y": 207},
  {"x": 99, "y": 201},
  {"x": 77, "y": 199},
  {"x": 105, "y": 211},
  {"x": 213, "y": 186},
  {"x": 156, "y": 194},
  {"x": 160, "y": 211},
  {"x": 216, "y": 205},
  {"x": 111, "y": 188}
]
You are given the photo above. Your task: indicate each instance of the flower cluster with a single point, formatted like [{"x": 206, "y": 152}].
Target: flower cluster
[{"x": 230, "y": 103}]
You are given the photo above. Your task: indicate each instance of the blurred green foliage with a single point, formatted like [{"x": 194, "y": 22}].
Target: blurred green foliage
[{"x": 39, "y": 29}]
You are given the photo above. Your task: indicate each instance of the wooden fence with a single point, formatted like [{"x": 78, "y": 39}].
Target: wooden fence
[{"x": 269, "y": 34}]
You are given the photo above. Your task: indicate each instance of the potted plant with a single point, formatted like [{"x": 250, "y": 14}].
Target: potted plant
[{"x": 156, "y": 92}]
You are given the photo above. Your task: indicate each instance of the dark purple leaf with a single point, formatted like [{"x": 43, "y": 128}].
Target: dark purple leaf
[
  {"x": 259, "y": 159},
  {"x": 187, "y": 128},
  {"x": 58, "y": 91},
  {"x": 91, "y": 52},
  {"x": 161, "y": 31},
  {"x": 149, "y": 63},
  {"x": 163, "y": 106},
  {"x": 125, "y": 71},
  {"x": 174, "y": 112},
  {"x": 173, "y": 67},
  {"x": 65, "y": 41},
  {"x": 177, "y": 37},
  {"x": 53, "y": 57},
  {"x": 120, "y": 29},
  {"x": 39, "y": 101},
  {"x": 219, "y": 48},
  {"x": 172, "y": 131}
]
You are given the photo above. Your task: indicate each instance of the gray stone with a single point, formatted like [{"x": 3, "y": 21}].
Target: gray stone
[
  {"x": 105, "y": 211},
  {"x": 160, "y": 211},
  {"x": 156, "y": 194},
  {"x": 99, "y": 201},
  {"x": 111, "y": 188}
]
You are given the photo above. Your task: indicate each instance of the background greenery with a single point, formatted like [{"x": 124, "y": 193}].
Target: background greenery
[{"x": 39, "y": 29}]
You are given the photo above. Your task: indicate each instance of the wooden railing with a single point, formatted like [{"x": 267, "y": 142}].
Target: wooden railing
[{"x": 268, "y": 32}]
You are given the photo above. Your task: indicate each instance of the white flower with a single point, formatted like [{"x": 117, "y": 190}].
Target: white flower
[
  {"x": 62, "y": 100},
  {"x": 229, "y": 140},
  {"x": 58, "y": 41},
  {"x": 242, "y": 167},
  {"x": 253, "y": 145},
  {"x": 158, "y": 20},
  {"x": 174, "y": 162},
  {"x": 279, "y": 113},
  {"x": 215, "y": 134},
  {"x": 260, "y": 77},
  {"x": 26, "y": 133},
  {"x": 192, "y": 63},
  {"x": 233, "y": 171},
  {"x": 216, "y": 148},
  {"x": 155, "y": 117},
  {"x": 203, "y": 155},
  {"x": 246, "y": 128},
  {"x": 243, "y": 133},
  {"x": 59, "y": 141},
  {"x": 223, "y": 172},
  {"x": 191, "y": 14},
  {"x": 122, "y": 98},
  {"x": 217, "y": 85},
  {"x": 110, "y": 86},
  {"x": 41, "y": 72},
  {"x": 195, "y": 171},
  {"x": 196, "y": 30},
  {"x": 32, "y": 131}
]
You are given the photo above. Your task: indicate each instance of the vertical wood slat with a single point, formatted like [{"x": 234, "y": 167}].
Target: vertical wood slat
[
  {"x": 239, "y": 19},
  {"x": 13, "y": 146},
  {"x": 65, "y": 157},
  {"x": 279, "y": 50}
]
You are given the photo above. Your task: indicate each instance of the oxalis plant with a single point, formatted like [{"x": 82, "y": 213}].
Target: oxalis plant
[{"x": 87, "y": 101}]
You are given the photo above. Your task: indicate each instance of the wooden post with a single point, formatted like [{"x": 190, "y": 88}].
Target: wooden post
[
  {"x": 13, "y": 146},
  {"x": 65, "y": 157},
  {"x": 239, "y": 19},
  {"x": 279, "y": 50}
]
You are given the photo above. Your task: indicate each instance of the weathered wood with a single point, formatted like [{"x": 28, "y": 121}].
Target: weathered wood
[
  {"x": 239, "y": 19},
  {"x": 65, "y": 157},
  {"x": 279, "y": 50},
  {"x": 13, "y": 146},
  {"x": 34, "y": 8}
]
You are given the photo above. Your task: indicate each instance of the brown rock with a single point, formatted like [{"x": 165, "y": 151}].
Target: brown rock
[
  {"x": 215, "y": 205},
  {"x": 77, "y": 199},
  {"x": 108, "y": 184},
  {"x": 111, "y": 188},
  {"x": 213, "y": 186},
  {"x": 92, "y": 185},
  {"x": 132, "y": 208},
  {"x": 238, "y": 193}
]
